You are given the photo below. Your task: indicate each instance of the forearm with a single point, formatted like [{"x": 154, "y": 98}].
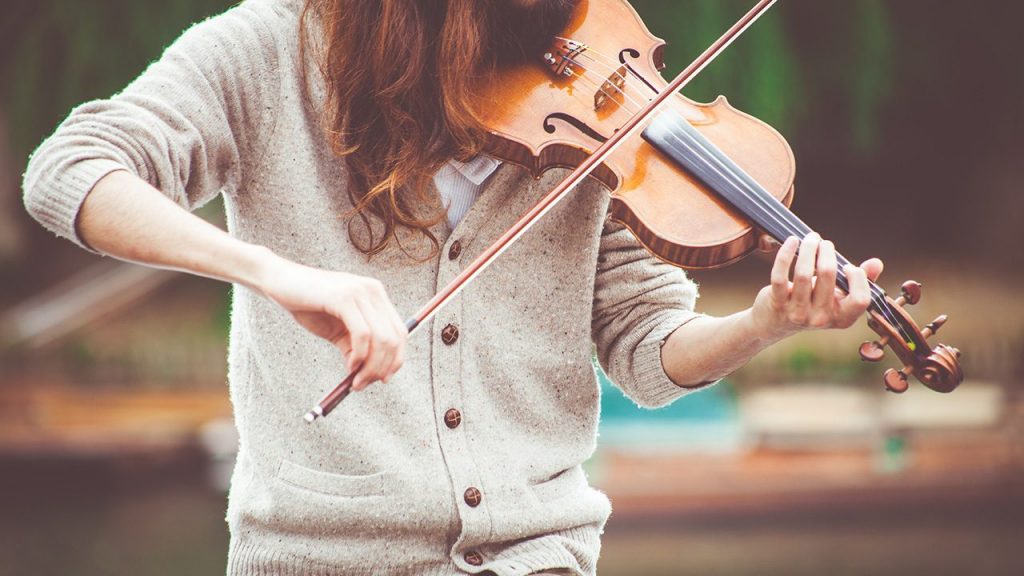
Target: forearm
[
  {"x": 708, "y": 348},
  {"x": 125, "y": 217}
]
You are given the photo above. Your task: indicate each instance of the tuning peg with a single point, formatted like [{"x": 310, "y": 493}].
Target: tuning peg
[
  {"x": 873, "y": 351},
  {"x": 933, "y": 327},
  {"x": 896, "y": 381},
  {"x": 911, "y": 293}
]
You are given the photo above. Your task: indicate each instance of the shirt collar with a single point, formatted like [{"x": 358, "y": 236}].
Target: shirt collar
[{"x": 476, "y": 169}]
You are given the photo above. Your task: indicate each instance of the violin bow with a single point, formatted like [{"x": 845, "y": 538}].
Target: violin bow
[{"x": 329, "y": 402}]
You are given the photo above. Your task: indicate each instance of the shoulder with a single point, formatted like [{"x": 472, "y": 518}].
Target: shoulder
[
  {"x": 275, "y": 12},
  {"x": 261, "y": 22}
]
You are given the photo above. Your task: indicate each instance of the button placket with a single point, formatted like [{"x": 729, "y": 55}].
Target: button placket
[{"x": 449, "y": 404}]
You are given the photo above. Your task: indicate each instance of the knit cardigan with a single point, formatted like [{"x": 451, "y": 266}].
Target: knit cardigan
[{"x": 386, "y": 484}]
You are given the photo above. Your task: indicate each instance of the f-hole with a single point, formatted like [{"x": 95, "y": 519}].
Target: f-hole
[
  {"x": 575, "y": 122},
  {"x": 633, "y": 53}
]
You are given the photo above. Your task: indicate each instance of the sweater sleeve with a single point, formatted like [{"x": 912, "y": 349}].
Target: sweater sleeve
[
  {"x": 638, "y": 302},
  {"x": 189, "y": 125}
]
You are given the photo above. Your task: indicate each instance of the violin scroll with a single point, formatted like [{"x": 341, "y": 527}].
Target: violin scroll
[{"x": 937, "y": 368}]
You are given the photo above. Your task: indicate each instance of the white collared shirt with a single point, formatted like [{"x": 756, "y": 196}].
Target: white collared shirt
[{"x": 459, "y": 184}]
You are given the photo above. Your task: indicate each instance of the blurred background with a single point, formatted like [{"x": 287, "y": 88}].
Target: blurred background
[{"x": 115, "y": 430}]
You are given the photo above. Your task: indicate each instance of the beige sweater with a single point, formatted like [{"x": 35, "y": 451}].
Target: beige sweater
[{"x": 384, "y": 485}]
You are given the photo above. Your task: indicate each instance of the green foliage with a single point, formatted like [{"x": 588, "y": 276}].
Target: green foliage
[
  {"x": 759, "y": 71},
  {"x": 60, "y": 53},
  {"x": 872, "y": 71},
  {"x": 802, "y": 361},
  {"x": 767, "y": 74}
]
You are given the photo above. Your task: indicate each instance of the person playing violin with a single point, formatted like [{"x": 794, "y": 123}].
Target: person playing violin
[{"x": 342, "y": 137}]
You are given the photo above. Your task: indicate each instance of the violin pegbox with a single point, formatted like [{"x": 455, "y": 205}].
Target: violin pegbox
[{"x": 937, "y": 368}]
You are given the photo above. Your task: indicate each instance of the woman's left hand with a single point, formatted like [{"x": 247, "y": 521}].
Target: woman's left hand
[{"x": 811, "y": 300}]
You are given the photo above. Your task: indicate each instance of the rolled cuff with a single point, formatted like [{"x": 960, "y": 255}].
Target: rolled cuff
[
  {"x": 653, "y": 387},
  {"x": 57, "y": 206}
]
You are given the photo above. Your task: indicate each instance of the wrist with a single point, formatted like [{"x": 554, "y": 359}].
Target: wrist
[
  {"x": 259, "y": 266},
  {"x": 764, "y": 331}
]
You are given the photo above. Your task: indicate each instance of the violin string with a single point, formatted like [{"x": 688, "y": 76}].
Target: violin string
[
  {"x": 782, "y": 218},
  {"x": 780, "y": 215},
  {"x": 793, "y": 228},
  {"x": 629, "y": 69},
  {"x": 796, "y": 227},
  {"x": 769, "y": 206},
  {"x": 600, "y": 87},
  {"x": 615, "y": 73},
  {"x": 778, "y": 211}
]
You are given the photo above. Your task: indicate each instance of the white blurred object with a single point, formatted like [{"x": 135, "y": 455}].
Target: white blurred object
[
  {"x": 830, "y": 416},
  {"x": 810, "y": 415},
  {"x": 219, "y": 439},
  {"x": 973, "y": 405},
  {"x": 80, "y": 300}
]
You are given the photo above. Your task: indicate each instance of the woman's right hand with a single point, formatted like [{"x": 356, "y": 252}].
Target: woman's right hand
[
  {"x": 351, "y": 312},
  {"x": 125, "y": 217}
]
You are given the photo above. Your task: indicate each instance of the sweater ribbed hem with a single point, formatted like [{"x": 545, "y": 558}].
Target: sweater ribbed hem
[
  {"x": 653, "y": 383},
  {"x": 574, "y": 549},
  {"x": 58, "y": 209},
  {"x": 247, "y": 559},
  {"x": 252, "y": 559}
]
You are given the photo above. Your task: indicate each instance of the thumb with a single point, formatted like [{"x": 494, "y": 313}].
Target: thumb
[{"x": 873, "y": 268}]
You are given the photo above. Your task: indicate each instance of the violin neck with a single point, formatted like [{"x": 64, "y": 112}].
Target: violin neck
[{"x": 673, "y": 136}]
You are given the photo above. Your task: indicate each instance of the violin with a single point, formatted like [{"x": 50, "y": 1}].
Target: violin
[{"x": 699, "y": 185}]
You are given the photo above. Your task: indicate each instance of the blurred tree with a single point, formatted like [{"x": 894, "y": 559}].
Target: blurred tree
[
  {"x": 765, "y": 73},
  {"x": 63, "y": 52},
  {"x": 10, "y": 239}
]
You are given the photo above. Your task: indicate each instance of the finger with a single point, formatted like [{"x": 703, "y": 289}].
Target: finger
[
  {"x": 382, "y": 344},
  {"x": 873, "y": 267},
  {"x": 780, "y": 270},
  {"x": 825, "y": 284},
  {"x": 364, "y": 377},
  {"x": 401, "y": 336},
  {"x": 356, "y": 339},
  {"x": 803, "y": 273},
  {"x": 857, "y": 301},
  {"x": 398, "y": 333}
]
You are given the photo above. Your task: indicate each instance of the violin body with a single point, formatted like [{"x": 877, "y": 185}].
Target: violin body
[{"x": 668, "y": 209}]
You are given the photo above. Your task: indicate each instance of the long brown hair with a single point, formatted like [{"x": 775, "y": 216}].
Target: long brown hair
[{"x": 399, "y": 78}]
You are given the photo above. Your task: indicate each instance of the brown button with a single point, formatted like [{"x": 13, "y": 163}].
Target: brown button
[
  {"x": 473, "y": 497},
  {"x": 455, "y": 250},
  {"x": 450, "y": 334},
  {"x": 452, "y": 418},
  {"x": 473, "y": 558}
]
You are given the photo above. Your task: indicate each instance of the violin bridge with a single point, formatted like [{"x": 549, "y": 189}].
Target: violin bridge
[{"x": 612, "y": 90}]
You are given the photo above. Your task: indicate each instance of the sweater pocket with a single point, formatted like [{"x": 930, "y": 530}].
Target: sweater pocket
[{"x": 331, "y": 484}]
